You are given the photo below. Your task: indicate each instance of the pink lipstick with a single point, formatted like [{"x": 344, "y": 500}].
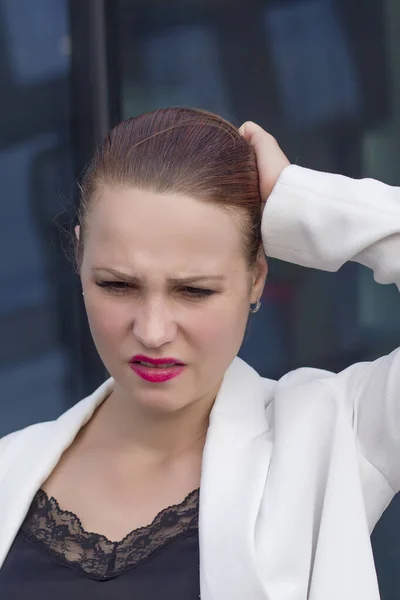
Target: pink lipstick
[{"x": 156, "y": 370}]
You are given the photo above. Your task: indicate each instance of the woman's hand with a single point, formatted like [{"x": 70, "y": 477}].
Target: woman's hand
[{"x": 270, "y": 159}]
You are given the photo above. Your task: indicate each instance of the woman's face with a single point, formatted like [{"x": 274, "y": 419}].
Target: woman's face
[{"x": 164, "y": 276}]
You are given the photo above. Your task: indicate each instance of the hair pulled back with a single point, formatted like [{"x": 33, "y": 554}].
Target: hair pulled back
[{"x": 183, "y": 151}]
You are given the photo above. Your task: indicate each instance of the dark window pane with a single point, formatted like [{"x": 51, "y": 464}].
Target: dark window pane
[{"x": 37, "y": 284}]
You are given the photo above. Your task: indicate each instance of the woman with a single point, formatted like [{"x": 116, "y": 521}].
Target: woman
[{"x": 293, "y": 474}]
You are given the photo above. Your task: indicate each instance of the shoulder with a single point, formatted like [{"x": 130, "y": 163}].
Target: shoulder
[
  {"x": 296, "y": 378},
  {"x": 67, "y": 425},
  {"x": 12, "y": 444},
  {"x": 303, "y": 386},
  {"x": 317, "y": 387},
  {"x": 304, "y": 376}
]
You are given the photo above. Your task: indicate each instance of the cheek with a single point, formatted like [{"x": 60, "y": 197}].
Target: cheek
[
  {"x": 107, "y": 321},
  {"x": 221, "y": 332}
]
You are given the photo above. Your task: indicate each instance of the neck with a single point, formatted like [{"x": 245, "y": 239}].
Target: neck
[{"x": 124, "y": 424}]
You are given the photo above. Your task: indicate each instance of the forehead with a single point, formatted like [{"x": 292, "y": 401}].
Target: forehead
[{"x": 148, "y": 230}]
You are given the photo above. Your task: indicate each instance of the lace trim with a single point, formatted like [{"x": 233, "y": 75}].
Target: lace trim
[{"x": 60, "y": 534}]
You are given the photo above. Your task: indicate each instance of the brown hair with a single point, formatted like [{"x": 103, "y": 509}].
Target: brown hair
[{"x": 177, "y": 150}]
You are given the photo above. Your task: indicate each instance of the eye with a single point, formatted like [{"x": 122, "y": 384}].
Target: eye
[
  {"x": 197, "y": 292},
  {"x": 115, "y": 287}
]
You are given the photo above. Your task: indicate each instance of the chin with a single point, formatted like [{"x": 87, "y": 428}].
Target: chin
[{"x": 161, "y": 403}]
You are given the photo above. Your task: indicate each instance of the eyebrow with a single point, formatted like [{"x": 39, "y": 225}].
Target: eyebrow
[{"x": 174, "y": 281}]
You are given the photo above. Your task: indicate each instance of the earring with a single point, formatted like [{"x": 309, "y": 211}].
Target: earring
[
  {"x": 83, "y": 293},
  {"x": 256, "y": 307}
]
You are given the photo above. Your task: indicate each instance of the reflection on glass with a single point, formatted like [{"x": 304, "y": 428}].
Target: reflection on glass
[
  {"x": 181, "y": 68},
  {"x": 36, "y": 324},
  {"x": 318, "y": 81}
]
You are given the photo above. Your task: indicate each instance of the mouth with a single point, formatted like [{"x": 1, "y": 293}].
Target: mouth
[
  {"x": 156, "y": 366},
  {"x": 156, "y": 370},
  {"x": 156, "y": 363}
]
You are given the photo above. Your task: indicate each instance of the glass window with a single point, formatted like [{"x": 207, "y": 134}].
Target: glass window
[{"x": 37, "y": 314}]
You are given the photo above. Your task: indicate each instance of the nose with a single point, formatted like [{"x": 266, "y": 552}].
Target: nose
[{"x": 154, "y": 326}]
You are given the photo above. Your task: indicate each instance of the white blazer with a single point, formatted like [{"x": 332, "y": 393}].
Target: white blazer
[{"x": 297, "y": 472}]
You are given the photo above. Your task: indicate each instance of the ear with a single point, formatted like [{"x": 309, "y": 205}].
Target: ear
[
  {"x": 77, "y": 232},
  {"x": 260, "y": 272}
]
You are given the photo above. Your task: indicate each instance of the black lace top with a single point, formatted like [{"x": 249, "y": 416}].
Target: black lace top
[{"x": 54, "y": 557}]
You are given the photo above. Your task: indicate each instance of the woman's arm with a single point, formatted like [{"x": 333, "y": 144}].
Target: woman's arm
[{"x": 321, "y": 220}]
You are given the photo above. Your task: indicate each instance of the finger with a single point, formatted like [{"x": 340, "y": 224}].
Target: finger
[
  {"x": 242, "y": 129},
  {"x": 265, "y": 145},
  {"x": 249, "y": 130},
  {"x": 263, "y": 142}
]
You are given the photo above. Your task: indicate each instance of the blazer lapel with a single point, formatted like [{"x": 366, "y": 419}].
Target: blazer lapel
[
  {"x": 235, "y": 466},
  {"x": 36, "y": 456}
]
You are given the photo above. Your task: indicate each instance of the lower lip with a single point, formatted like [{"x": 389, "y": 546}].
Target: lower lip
[{"x": 156, "y": 374}]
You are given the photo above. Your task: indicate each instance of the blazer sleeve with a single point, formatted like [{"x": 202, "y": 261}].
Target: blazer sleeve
[{"x": 321, "y": 220}]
